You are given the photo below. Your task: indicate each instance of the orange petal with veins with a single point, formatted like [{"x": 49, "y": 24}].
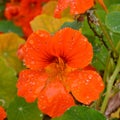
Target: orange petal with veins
[
  {"x": 36, "y": 53},
  {"x": 30, "y": 83},
  {"x": 72, "y": 47},
  {"x": 76, "y": 6},
  {"x": 85, "y": 85}
]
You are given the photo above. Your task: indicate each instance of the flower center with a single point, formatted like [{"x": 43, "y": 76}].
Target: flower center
[
  {"x": 56, "y": 68},
  {"x": 60, "y": 64},
  {"x": 33, "y": 4}
]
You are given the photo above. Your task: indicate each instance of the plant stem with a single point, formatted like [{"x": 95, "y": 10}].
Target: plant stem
[
  {"x": 110, "y": 85},
  {"x": 105, "y": 79},
  {"x": 106, "y": 73}
]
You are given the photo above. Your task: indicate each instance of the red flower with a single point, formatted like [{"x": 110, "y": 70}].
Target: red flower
[
  {"x": 12, "y": 11},
  {"x": 57, "y": 65},
  {"x": 21, "y": 12},
  {"x": 2, "y": 113},
  {"x": 76, "y": 6},
  {"x": 31, "y": 8}
]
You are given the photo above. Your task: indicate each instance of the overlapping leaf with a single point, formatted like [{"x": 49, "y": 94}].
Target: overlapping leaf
[
  {"x": 113, "y": 21},
  {"x": 50, "y": 6},
  {"x": 81, "y": 113},
  {"x": 9, "y": 26},
  {"x": 9, "y": 44},
  {"x": 7, "y": 82},
  {"x": 48, "y": 23},
  {"x": 100, "y": 52},
  {"x": 21, "y": 110}
]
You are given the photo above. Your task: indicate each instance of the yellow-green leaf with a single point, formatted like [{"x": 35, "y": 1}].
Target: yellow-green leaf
[
  {"x": 48, "y": 23},
  {"x": 7, "y": 83},
  {"x": 9, "y": 44},
  {"x": 49, "y": 8}
]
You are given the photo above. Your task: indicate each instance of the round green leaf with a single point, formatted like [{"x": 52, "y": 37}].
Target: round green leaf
[
  {"x": 7, "y": 83},
  {"x": 8, "y": 26},
  {"x": 81, "y": 113},
  {"x": 9, "y": 44},
  {"x": 112, "y": 21},
  {"x": 19, "y": 109}
]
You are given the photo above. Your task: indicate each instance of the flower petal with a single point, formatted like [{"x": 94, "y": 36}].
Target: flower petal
[
  {"x": 2, "y": 113},
  {"x": 76, "y": 6},
  {"x": 36, "y": 50},
  {"x": 85, "y": 85},
  {"x": 54, "y": 100},
  {"x": 89, "y": 67},
  {"x": 73, "y": 47},
  {"x": 30, "y": 83},
  {"x": 20, "y": 52},
  {"x": 80, "y": 6},
  {"x": 62, "y": 4}
]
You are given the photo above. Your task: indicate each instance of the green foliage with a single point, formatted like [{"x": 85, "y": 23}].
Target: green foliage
[
  {"x": 81, "y": 113},
  {"x": 7, "y": 82},
  {"x": 9, "y": 44},
  {"x": 19, "y": 109},
  {"x": 100, "y": 52},
  {"x": 74, "y": 25},
  {"x": 104, "y": 37},
  {"x": 114, "y": 7},
  {"x": 113, "y": 21},
  {"x": 48, "y": 23},
  {"x": 8, "y": 26},
  {"x": 100, "y": 55},
  {"x": 111, "y": 2}
]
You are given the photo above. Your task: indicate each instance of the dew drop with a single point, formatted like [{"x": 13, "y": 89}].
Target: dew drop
[
  {"x": 42, "y": 35},
  {"x": 32, "y": 62},
  {"x": 87, "y": 97},
  {"x": 5, "y": 54},
  {"x": 20, "y": 108},
  {"x": 41, "y": 115},
  {"x": 9, "y": 30},
  {"x": 31, "y": 42},
  {"x": 90, "y": 77}
]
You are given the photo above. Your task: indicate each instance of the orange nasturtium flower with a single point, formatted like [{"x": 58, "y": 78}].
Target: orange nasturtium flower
[
  {"x": 76, "y": 6},
  {"x": 21, "y": 12},
  {"x": 2, "y": 113},
  {"x": 58, "y": 67}
]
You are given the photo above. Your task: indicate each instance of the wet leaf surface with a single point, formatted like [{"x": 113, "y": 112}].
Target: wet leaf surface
[
  {"x": 9, "y": 44},
  {"x": 19, "y": 109},
  {"x": 7, "y": 83},
  {"x": 48, "y": 23},
  {"x": 113, "y": 21},
  {"x": 81, "y": 113}
]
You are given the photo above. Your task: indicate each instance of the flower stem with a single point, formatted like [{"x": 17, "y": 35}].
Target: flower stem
[{"x": 110, "y": 85}]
